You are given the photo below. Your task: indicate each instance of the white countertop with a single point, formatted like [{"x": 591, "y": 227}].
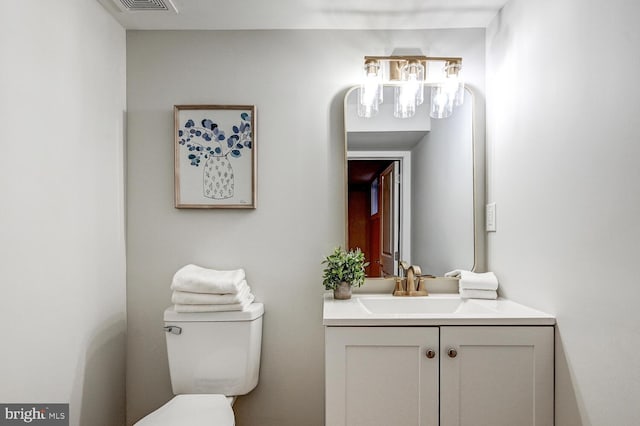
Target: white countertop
[{"x": 386, "y": 310}]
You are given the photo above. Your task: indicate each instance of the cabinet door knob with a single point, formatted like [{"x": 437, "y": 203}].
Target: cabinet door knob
[
  {"x": 452, "y": 353},
  {"x": 431, "y": 353}
]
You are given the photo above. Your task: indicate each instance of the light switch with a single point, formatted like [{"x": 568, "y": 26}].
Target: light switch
[{"x": 490, "y": 216}]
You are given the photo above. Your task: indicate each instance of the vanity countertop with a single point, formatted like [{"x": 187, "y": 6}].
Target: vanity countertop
[{"x": 438, "y": 309}]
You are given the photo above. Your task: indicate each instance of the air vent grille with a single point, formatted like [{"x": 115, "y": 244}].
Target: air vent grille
[{"x": 146, "y": 5}]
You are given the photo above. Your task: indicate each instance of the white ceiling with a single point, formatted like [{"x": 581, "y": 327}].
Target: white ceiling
[{"x": 312, "y": 14}]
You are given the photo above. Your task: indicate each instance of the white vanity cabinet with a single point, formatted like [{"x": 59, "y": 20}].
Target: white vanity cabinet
[
  {"x": 498, "y": 376},
  {"x": 381, "y": 376},
  {"x": 439, "y": 375}
]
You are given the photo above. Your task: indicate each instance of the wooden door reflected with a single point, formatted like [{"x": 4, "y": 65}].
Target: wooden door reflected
[{"x": 373, "y": 213}]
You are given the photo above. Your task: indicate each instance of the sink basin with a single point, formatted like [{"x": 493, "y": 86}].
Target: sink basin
[
  {"x": 422, "y": 305},
  {"x": 405, "y": 305}
]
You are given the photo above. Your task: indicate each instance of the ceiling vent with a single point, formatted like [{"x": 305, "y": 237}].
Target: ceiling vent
[{"x": 146, "y": 5}]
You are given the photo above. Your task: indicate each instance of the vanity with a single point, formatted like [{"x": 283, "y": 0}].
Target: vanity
[
  {"x": 414, "y": 195},
  {"x": 437, "y": 360}
]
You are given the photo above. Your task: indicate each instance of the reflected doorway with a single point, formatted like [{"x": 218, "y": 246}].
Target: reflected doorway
[{"x": 374, "y": 193}]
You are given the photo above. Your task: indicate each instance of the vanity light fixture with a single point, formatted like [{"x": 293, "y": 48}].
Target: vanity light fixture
[{"x": 409, "y": 75}]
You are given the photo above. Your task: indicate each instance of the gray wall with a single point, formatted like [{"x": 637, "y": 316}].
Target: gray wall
[
  {"x": 62, "y": 249},
  {"x": 297, "y": 80},
  {"x": 563, "y": 152}
]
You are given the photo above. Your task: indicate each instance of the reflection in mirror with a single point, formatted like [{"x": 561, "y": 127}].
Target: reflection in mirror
[{"x": 410, "y": 188}]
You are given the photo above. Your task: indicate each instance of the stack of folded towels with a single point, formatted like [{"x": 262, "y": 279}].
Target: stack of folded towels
[
  {"x": 475, "y": 285},
  {"x": 197, "y": 289}
]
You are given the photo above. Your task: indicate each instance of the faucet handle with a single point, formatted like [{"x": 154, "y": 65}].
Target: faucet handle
[
  {"x": 400, "y": 287},
  {"x": 422, "y": 289},
  {"x": 414, "y": 276}
]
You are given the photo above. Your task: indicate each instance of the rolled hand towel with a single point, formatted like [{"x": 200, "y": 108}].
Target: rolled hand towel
[
  {"x": 196, "y": 279},
  {"x": 188, "y": 298},
  {"x": 215, "y": 308},
  {"x": 475, "y": 280},
  {"x": 468, "y": 293}
]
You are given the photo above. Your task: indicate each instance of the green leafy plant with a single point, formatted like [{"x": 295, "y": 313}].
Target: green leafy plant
[{"x": 345, "y": 266}]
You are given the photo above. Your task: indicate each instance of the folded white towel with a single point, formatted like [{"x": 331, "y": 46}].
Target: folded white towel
[
  {"x": 469, "y": 293},
  {"x": 188, "y": 298},
  {"x": 216, "y": 308},
  {"x": 196, "y": 279},
  {"x": 475, "y": 280}
]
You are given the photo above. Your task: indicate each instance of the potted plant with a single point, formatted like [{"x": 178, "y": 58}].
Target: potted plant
[{"x": 344, "y": 270}]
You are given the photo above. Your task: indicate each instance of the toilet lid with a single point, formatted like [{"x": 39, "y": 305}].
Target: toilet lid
[{"x": 192, "y": 410}]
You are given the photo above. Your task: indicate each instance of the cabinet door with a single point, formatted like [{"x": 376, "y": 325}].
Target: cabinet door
[
  {"x": 381, "y": 376},
  {"x": 500, "y": 376}
]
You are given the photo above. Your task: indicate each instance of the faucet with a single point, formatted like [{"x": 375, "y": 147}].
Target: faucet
[{"x": 407, "y": 286}]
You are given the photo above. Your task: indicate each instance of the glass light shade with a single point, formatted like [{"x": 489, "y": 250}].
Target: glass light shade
[
  {"x": 413, "y": 74},
  {"x": 370, "y": 94},
  {"x": 441, "y": 102},
  {"x": 410, "y": 93},
  {"x": 453, "y": 83},
  {"x": 367, "y": 107},
  {"x": 445, "y": 96},
  {"x": 404, "y": 102}
]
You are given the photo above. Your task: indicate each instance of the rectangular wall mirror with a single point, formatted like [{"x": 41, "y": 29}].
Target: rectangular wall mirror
[{"x": 411, "y": 188}]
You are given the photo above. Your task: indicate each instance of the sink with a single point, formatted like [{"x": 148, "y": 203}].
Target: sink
[
  {"x": 405, "y": 305},
  {"x": 391, "y": 305},
  {"x": 436, "y": 309}
]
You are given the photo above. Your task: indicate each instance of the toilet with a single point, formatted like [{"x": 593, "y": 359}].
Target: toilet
[{"x": 213, "y": 357}]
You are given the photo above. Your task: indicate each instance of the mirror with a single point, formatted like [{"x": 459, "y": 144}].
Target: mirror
[{"x": 410, "y": 187}]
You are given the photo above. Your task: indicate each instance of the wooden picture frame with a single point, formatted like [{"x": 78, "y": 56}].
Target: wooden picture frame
[{"x": 215, "y": 156}]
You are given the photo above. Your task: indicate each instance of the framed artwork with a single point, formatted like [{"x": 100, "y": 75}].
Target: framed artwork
[{"x": 215, "y": 156}]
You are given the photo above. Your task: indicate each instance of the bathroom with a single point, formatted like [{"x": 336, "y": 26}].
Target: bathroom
[{"x": 100, "y": 237}]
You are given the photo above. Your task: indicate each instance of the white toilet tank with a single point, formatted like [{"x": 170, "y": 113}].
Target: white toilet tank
[{"x": 214, "y": 352}]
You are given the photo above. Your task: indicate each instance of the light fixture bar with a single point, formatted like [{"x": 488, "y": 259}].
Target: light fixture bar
[
  {"x": 415, "y": 57},
  {"x": 409, "y": 75},
  {"x": 396, "y": 63}
]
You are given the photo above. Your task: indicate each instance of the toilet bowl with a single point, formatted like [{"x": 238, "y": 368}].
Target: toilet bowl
[
  {"x": 192, "y": 410},
  {"x": 213, "y": 357}
]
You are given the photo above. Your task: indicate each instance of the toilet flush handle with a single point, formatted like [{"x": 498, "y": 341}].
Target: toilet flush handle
[{"x": 173, "y": 329}]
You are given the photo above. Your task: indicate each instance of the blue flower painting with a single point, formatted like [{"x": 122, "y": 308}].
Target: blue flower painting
[{"x": 213, "y": 146}]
